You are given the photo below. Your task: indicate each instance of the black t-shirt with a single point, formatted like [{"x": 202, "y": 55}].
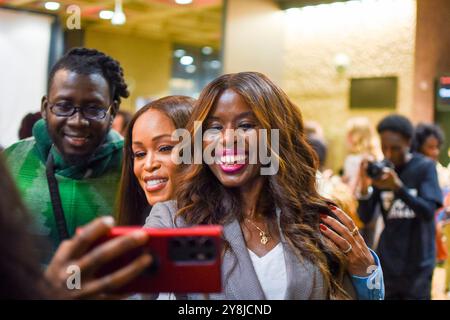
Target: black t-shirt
[{"x": 407, "y": 243}]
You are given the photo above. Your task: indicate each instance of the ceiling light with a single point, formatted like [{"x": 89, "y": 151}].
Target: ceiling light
[
  {"x": 215, "y": 64},
  {"x": 341, "y": 62},
  {"x": 186, "y": 60},
  {"x": 106, "y": 14},
  {"x": 191, "y": 68},
  {"x": 179, "y": 53},
  {"x": 183, "y": 1},
  {"x": 51, "y": 5},
  {"x": 207, "y": 51},
  {"x": 119, "y": 16}
]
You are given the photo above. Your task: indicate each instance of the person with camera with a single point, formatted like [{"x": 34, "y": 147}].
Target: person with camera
[{"x": 404, "y": 186}]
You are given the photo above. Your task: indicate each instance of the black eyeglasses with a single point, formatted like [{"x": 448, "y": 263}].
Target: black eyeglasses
[{"x": 66, "y": 109}]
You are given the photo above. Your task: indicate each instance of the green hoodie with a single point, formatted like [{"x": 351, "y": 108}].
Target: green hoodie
[{"x": 87, "y": 190}]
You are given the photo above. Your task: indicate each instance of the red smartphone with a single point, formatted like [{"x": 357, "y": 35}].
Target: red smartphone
[{"x": 185, "y": 260}]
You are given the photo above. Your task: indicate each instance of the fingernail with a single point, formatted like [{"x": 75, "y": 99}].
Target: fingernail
[
  {"x": 323, "y": 227},
  {"x": 332, "y": 207},
  {"x": 109, "y": 221},
  {"x": 323, "y": 216}
]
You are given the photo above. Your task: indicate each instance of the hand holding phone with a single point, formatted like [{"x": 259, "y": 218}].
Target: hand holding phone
[
  {"x": 76, "y": 259},
  {"x": 184, "y": 260}
]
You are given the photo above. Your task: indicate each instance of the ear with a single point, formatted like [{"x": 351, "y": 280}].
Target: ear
[
  {"x": 44, "y": 104},
  {"x": 114, "y": 108}
]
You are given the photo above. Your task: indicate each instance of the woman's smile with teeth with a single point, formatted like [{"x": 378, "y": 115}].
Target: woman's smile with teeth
[
  {"x": 232, "y": 159},
  {"x": 155, "y": 182}
]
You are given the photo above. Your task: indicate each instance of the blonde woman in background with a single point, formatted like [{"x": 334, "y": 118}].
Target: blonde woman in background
[
  {"x": 361, "y": 143},
  {"x": 331, "y": 186}
]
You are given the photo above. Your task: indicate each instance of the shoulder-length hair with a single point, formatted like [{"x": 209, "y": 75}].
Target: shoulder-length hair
[
  {"x": 132, "y": 201},
  {"x": 202, "y": 199}
]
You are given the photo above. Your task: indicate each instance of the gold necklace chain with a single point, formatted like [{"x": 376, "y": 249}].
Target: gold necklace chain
[{"x": 264, "y": 235}]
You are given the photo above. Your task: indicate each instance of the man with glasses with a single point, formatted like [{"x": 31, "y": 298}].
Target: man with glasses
[{"x": 68, "y": 172}]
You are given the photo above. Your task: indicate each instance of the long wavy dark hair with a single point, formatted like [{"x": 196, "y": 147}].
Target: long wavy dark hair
[
  {"x": 133, "y": 206},
  {"x": 202, "y": 199}
]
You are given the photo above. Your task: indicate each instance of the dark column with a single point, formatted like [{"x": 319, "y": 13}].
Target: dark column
[{"x": 432, "y": 59}]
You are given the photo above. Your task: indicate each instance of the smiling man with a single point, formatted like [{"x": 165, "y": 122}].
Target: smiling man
[{"x": 68, "y": 172}]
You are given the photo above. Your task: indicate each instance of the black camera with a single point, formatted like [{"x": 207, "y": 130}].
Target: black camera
[{"x": 375, "y": 168}]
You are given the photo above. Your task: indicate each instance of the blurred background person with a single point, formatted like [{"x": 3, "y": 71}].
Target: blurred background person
[
  {"x": 428, "y": 140},
  {"x": 26, "y": 126},
  {"x": 121, "y": 121},
  {"x": 314, "y": 130},
  {"x": 331, "y": 185},
  {"x": 361, "y": 142},
  {"x": 408, "y": 195}
]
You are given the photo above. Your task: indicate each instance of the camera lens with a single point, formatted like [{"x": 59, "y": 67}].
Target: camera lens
[{"x": 375, "y": 169}]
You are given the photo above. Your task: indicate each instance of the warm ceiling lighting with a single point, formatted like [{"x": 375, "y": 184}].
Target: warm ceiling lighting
[
  {"x": 118, "y": 17},
  {"x": 106, "y": 14},
  {"x": 215, "y": 64},
  {"x": 179, "y": 53},
  {"x": 207, "y": 51},
  {"x": 183, "y": 1},
  {"x": 186, "y": 60},
  {"x": 51, "y": 5},
  {"x": 191, "y": 68}
]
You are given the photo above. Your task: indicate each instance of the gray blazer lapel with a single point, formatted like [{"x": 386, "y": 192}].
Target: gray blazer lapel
[
  {"x": 240, "y": 279},
  {"x": 299, "y": 276}
]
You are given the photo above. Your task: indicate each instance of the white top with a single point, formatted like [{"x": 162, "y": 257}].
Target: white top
[
  {"x": 271, "y": 272},
  {"x": 352, "y": 165}
]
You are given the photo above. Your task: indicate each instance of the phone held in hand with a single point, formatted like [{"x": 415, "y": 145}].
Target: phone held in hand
[{"x": 185, "y": 260}]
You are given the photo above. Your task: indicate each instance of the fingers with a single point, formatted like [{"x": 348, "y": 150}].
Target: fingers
[
  {"x": 387, "y": 173},
  {"x": 363, "y": 167},
  {"x": 116, "y": 280},
  {"x": 363, "y": 164},
  {"x": 333, "y": 236},
  {"x": 62, "y": 255},
  {"x": 349, "y": 223},
  {"x": 338, "y": 228},
  {"x": 344, "y": 218},
  {"x": 363, "y": 179},
  {"x": 110, "y": 250},
  {"x": 90, "y": 233}
]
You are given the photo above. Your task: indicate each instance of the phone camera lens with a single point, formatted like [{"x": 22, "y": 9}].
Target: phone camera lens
[{"x": 201, "y": 256}]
